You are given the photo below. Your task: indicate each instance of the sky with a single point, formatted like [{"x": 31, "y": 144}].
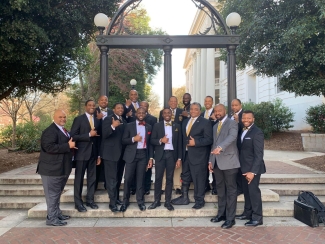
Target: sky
[{"x": 174, "y": 17}]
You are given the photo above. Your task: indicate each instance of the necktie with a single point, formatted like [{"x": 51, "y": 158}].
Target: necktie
[
  {"x": 65, "y": 131},
  {"x": 245, "y": 128},
  {"x": 91, "y": 122},
  {"x": 206, "y": 114},
  {"x": 173, "y": 114},
  {"x": 103, "y": 109},
  {"x": 142, "y": 123},
  {"x": 189, "y": 127},
  {"x": 135, "y": 105},
  {"x": 219, "y": 127},
  {"x": 168, "y": 124}
]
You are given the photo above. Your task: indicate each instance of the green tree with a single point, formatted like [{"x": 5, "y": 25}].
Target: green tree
[
  {"x": 39, "y": 42},
  {"x": 283, "y": 38}
]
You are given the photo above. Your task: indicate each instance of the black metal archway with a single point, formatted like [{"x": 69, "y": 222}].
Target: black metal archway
[{"x": 118, "y": 36}]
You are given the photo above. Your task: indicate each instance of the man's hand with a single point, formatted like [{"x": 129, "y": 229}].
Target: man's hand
[
  {"x": 249, "y": 176},
  {"x": 191, "y": 142},
  {"x": 235, "y": 117},
  {"x": 98, "y": 161},
  {"x": 115, "y": 123},
  {"x": 178, "y": 163},
  {"x": 129, "y": 114},
  {"x": 164, "y": 140},
  {"x": 137, "y": 138},
  {"x": 210, "y": 167},
  {"x": 185, "y": 113},
  {"x": 100, "y": 115},
  {"x": 72, "y": 144},
  {"x": 149, "y": 164},
  {"x": 93, "y": 132},
  {"x": 216, "y": 151},
  {"x": 213, "y": 117},
  {"x": 128, "y": 102}
]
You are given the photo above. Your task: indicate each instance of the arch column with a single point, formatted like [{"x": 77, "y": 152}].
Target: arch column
[
  {"x": 167, "y": 74},
  {"x": 203, "y": 75}
]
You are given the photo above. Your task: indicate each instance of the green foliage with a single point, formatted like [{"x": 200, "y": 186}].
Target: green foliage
[
  {"x": 283, "y": 38},
  {"x": 39, "y": 42},
  {"x": 271, "y": 116},
  {"x": 316, "y": 118}
]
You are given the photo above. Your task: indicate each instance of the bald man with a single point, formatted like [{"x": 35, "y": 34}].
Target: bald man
[
  {"x": 54, "y": 166},
  {"x": 131, "y": 106}
]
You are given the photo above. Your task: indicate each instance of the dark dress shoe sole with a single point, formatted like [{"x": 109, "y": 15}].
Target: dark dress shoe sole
[
  {"x": 64, "y": 217},
  {"x": 81, "y": 209},
  {"x": 199, "y": 206},
  {"x": 92, "y": 205},
  {"x": 217, "y": 219},
  {"x": 228, "y": 225},
  {"x": 147, "y": 193},
  {"x": 152, "y": 206},
  {"x": 253, "y": 223},
  {"x": 123, "y": 208},
  {"x": 142, "y": 207},
  {"x": 58, "y": 224},
  {"x": 242, "y": 217}
]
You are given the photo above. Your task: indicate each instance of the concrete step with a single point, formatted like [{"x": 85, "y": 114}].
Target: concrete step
[
  {"x": 274, "y": 209},
  {"x": 294, "y": 189},
  {"x": 102, "y": 196},
  {"x": 18, "y": 202},
  {"x": 24, "y": 190},
  {"x": 265, "y": 179}
]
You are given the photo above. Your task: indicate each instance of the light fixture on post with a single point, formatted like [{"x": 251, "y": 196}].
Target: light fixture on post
[
  {"x": 101, "y": 21},
  {"x": 133, "y": 83},
  {"x": 233, "y": 20}
]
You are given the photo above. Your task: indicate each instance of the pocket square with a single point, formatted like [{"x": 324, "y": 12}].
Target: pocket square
[
  {"x": 176, "y": 129},
  {"x": 247, "y": 138}
]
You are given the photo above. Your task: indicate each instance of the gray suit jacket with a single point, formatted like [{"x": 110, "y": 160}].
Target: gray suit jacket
[{"x": 227, "y": 139}]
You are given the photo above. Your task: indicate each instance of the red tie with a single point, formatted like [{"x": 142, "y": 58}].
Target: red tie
[
  {"x": 66, "y": 132},
  {"x": 142, "y": 123}
]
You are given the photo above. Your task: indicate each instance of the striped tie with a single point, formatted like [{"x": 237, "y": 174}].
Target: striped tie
[
  {"x": 219, "y": 127},
  {"x": 189, "y": 127}
]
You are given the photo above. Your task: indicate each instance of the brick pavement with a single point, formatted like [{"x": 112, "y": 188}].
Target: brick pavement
[{"x": 168, "y": 235}]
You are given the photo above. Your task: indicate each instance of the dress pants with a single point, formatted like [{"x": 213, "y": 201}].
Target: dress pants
[
  {"x": 227, "y": 191},
  {"x": 53, "y": 187},
  {"x": 253, "y": 198},
  {"x": 81, "y": 167},
  {"x": 166, "y": 164},
  {"x": 120, "y": 172},
  {"x": 197, "y": 174},
  {"x": 138, "y": 168},
  {"x": 110, "y": 168},
  {"x": 177, "y": 184},
  {"x": 100, "y": 174},
  {"x": 239, "y": 181}
]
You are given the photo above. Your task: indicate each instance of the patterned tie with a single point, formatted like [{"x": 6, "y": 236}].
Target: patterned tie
[
  {"x": 91, "y": 121},
  {"x": 142, "y": 123},
  {"x": 206, "y": 114},
  {"x": 103, "y": 109},
  {"x": 168, "y": 124},
  {"x": 219, "y": 127},
  {"x": 135, "y": 105},
  {"x": 173, "y": 114},
  {"x": 189, "y": 127},
  {"x": 66, "y": 132},
  {"x": 245, "y": 128}
]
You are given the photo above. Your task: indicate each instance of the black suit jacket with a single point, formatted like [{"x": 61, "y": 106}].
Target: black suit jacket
[
  {"x": 55, "y": 157},
  {"x": 131, "y": 147},
  {"x": 127, "y": 110},
  {"x": 158, "y": 132},
  {"x": 212, "y": 122},
  {"x": 87, "y": 146},
  {"x": 178, "y": 116},
  {"x": 202, "y": 133},
  {"x": 111, "y": 146},
  {"x": 151, "y": 120},
  {"x": 97, "y": 110},
  {"x": 251, "y": 151}
]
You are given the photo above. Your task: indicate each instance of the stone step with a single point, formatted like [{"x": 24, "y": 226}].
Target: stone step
[
  {"x": 102, "y": 196},
  {"x": 270, "y": 209},
  {"x": 6, "y": 179},
  {"x": 294, "y": 189},
  {"x": 25, "y": 190},
  {"x": 18, "y": 202}
]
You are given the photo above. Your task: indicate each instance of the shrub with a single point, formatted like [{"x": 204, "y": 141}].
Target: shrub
[
  {"x": 263, "y": 115},
  {"x": 282, "y": 116},
  {"x": 316, "y": 118}
]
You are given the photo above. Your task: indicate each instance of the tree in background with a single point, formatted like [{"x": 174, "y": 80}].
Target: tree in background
[
  {"x": 40, "y": 42},
  {"x": 179, "y": 92},
  {"x": 283, "y": 38}
]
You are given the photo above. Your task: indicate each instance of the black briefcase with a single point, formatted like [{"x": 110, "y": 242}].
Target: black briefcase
[{"x": 305, "y": 213}]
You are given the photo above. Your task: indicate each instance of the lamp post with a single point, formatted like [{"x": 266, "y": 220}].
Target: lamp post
[
  {"x": 233, "y": 20},
  {"x": 133, "y": 83},
  {"x": 101, "y": 21}
]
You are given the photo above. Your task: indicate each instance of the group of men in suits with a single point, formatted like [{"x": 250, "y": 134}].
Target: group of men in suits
[{"x": 185, "y": 145}]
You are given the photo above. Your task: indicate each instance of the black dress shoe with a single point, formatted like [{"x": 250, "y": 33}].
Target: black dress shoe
[
  {"x": 113, "y": 208},
  {"x": 214, "y": 192},
  {"x": 119, "y": 202},
  {"x": 169, "y": 206},
  {"x": 124, "y": 207},
  {"x": 254, "y": 223},
  {"x": 218, "y": 219},
  {"x": 207, "y": 189},
  {"x": 57, "y": 223},
  {"x": 198, "y": 205},
  {"x": 63, "y": 217},
  {"x": 242, "y": 216},
  {"x": 142, "y": 207},
  {"x": 147, "y": 193},
  {"x": 132, "y": 192},
  {"x": 228, "y": 224},
  {"x": 178, "y": 191},
  {"x": 80, "y": 208},
  {"x": 162, "y": 192},
  {"x": 92, "y": 205},
  {"x": 154, "y": 205}
]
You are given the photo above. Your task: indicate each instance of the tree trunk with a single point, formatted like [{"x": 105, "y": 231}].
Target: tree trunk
[{"x": 13, "y": 140}]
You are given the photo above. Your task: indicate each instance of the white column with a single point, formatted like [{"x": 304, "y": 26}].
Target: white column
[
  {"x": 210, "y": 79},
  {"x": 198, "y": 76},
  {"x": 193, "y": 94},
  {"x": 203, "y": 75}
]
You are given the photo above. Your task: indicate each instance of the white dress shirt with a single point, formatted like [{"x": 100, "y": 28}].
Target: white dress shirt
[{"x": 169, "y": 133}]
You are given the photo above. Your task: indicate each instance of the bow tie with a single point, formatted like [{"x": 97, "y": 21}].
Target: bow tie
[
  {"x": 103, "y": 109},
  {"x": 142, "y": 123},
  {"x": 245, "y": 128},
  {"x": 168, "y": 124}
]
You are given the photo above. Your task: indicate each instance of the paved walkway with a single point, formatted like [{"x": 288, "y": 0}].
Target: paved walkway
[{"x": 15, "y": 227}]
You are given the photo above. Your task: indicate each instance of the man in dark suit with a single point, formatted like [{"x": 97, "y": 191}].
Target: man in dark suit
[
  {"x": 83, "y": 132},
  {"x": 100, "y": 113},
  {"x": 237, "y": 112},
  {"x": 137, "y": 157},
  {"x": 151, "y": 120},
  {"x": 112, "y": 152},
  {"x": 167, "y": 139},
  {"x": 252, "y": 165},
  {"x": 197, "y": 138},
  {"x": 225, "y": 163},
  {"x": 54, "y": 166},
  {"x": 187, "y": 105},
  {"x": 131, "y": 106}
]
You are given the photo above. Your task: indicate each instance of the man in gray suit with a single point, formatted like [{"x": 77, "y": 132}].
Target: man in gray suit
[{"x": 224, "y": 163}]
